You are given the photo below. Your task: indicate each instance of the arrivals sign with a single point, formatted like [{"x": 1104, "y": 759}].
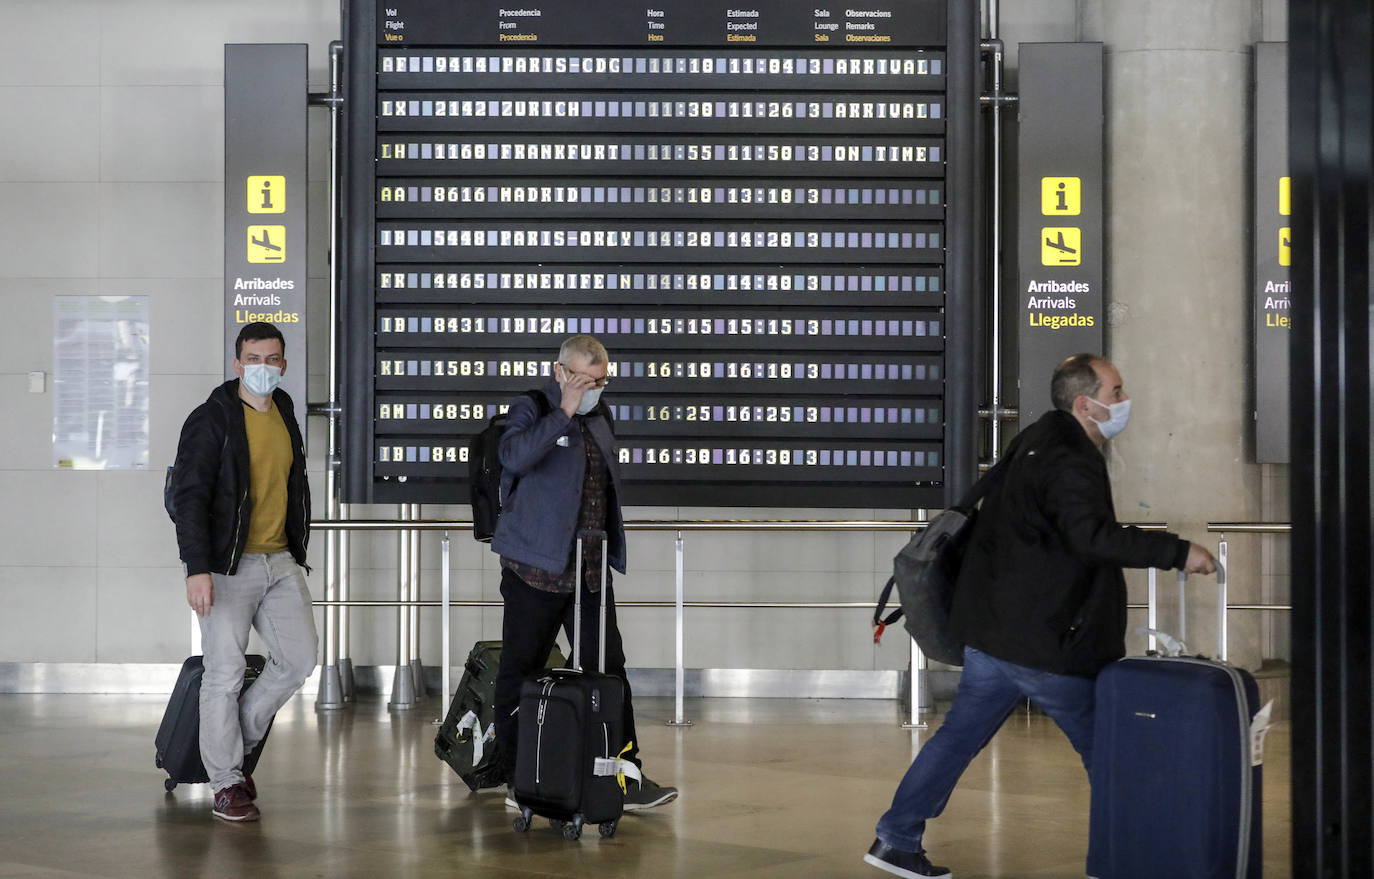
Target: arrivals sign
[
  {"x": 1060, "y": 241},
  {"x": 1272, "y": 282},
  {"x": 265, "y": 101}
]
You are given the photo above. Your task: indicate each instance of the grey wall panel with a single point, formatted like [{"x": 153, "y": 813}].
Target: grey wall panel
[
  {"x": 47, "y": 612},
  {"x": 172, "y": 399},
  {"x": 134, "y": 530},
  {"x": 49, "y": 133},
  {"x": 26, "y": 42},
  {"x": 27, "y": 444},
  {"x": 59, "y": 520},
  {"x": 161, "y": 133},
  {"x": 195, "y": 57},
  {"x": 141, "y": 613},
  {"x": 182, "y": 339},
  {"x": 161, "y": 230},
  {"x": 48, "y": 230},
  {"x": 1178, "y": 24},
  {"x": 27, "y": 302}
]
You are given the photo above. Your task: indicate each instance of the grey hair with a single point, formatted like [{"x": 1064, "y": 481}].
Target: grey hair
[
  {"x": 582, "y": 346},
  {"x": 1074, "y": 377}
]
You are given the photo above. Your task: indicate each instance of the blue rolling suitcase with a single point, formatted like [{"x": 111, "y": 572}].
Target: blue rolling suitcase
[{"x": 1175, "y": 786}]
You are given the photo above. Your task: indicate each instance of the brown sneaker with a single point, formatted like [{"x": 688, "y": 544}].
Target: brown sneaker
[{"x": 234, "y": 804}]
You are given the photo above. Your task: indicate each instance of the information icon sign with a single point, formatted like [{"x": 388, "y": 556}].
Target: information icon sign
[
  {"x": 1061, "y": 196},
  {"x": 266, "y": 194}
]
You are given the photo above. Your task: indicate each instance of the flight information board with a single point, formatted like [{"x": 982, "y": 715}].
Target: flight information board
[{"x": 750, "y": 205}]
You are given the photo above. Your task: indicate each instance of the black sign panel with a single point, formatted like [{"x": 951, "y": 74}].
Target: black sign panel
[
  {"x": 1061, "y": 243},
  {"x": 1273, "y": 281},
  {"x": 748, "y": 205},
  {"x": 265, "y": 102}
]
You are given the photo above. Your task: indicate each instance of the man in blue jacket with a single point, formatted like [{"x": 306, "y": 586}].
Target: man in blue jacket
[
  {"x": 1040, "y": 603},
  {"x": 243, "y": 522},
  {"x": 560, "y": 476}
]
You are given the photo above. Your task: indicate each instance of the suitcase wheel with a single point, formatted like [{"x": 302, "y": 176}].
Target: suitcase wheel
[
  {"x": 168, "y": 784},
  {"x": 522, "y": 822},
  {"x": 607, "y": 828},
  {"x": 573, "y": 831}
]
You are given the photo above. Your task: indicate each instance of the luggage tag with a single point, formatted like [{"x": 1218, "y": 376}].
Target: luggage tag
[{"x": 1259, "y": 728}]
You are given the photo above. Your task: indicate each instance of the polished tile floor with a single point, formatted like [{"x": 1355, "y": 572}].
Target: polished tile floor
[{"x": 770, "y": 788}]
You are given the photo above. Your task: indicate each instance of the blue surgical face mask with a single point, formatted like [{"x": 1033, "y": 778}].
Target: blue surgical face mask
[
  {"x": 261, "y": 379},
  {"x": 589, "y": 398},
  {"x": 1117, "y": 416}
]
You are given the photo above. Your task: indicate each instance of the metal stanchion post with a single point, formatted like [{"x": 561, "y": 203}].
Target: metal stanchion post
[
  {"x": 1183, "y": 607},
  {"x": 1222, "y": 631},
  {"x": 345, "y": 593},
  {"x": 1153, "y": 603},
  {"x": 330, "y": 693},
  {"x": 680, "y": 680},
  {"x": 417, "y": 668},
  {"x": 403, "y": 681},
  {"x": 919, "y": 664},
  {"x": 444, "y": 658}
]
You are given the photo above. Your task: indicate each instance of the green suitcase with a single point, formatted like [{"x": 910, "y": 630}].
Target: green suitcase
[{"x": 467, "y": 739}]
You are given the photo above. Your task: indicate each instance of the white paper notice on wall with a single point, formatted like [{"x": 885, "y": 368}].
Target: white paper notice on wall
[
  {"x": 100, "y": 382},
  {"x": 1259, "y": 727}
]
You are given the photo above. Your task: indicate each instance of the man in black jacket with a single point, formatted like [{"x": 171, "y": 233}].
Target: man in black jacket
[
  {"x": 1040, "y": 603},
  {"x": 243, "y": 520}
]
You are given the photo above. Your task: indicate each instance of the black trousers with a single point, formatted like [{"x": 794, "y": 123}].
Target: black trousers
[{"x": 528, "y": 631}]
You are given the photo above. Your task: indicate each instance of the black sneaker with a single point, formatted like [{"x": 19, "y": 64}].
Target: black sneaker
[
  {"x": 912, "y": 865},
  {"x": 645, "y": 794}
]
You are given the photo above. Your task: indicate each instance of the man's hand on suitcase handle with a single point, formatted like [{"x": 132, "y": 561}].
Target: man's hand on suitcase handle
[
  {"x": 1199, "y": 561},
  {"x": 200, "y": 593}
]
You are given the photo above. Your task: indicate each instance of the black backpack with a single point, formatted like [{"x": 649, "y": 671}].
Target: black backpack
[{"x": 484, "y": 470}]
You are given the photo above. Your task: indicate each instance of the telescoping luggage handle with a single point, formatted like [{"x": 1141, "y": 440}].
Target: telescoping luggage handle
[{"x": 582, "y": 537}]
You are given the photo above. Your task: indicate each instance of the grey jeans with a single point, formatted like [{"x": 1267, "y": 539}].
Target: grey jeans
[{"x": 268, "y": 593}]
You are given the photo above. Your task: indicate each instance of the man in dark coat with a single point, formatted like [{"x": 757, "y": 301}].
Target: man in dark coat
[
  {"x": 243, "y": 522},
  {"x": 561, "y": 476},
  {"x": 1040, "y": 603}
]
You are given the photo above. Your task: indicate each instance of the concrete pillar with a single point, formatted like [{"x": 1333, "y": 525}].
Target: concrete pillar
[{"x": 1178, "y": 102}]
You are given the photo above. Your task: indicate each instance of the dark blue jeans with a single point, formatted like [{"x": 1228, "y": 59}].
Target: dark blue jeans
[{"x": 989, "y": 690}]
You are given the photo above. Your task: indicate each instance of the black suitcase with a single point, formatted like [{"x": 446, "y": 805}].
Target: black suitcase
[
  {"x": 466, "y": 740},
  {"x": 1175, "y": 774},
  {"x": 568, "y": 765},
  {"x": 178, "y": 737}
]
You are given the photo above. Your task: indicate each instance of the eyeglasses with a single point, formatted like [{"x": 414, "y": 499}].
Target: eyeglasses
[{"x": 596, "y": 382}]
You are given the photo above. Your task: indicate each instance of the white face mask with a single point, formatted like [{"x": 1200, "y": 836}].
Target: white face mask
[
  {"x": 1117, "y": 416},
  {"x": 589, "y": 398},
  {"x": 261, "y": 379}
]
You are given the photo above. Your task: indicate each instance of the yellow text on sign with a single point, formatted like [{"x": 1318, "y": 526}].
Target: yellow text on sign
[
  {"x": 1285, "y": 195},
  {"x": 1285, "y": 246},
  {"x": 1061, "y": 196},
  {"x": 267, "y": 194},
  {"x": 266, "y": 243},
  {"x": 1061, "y": 246}
]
